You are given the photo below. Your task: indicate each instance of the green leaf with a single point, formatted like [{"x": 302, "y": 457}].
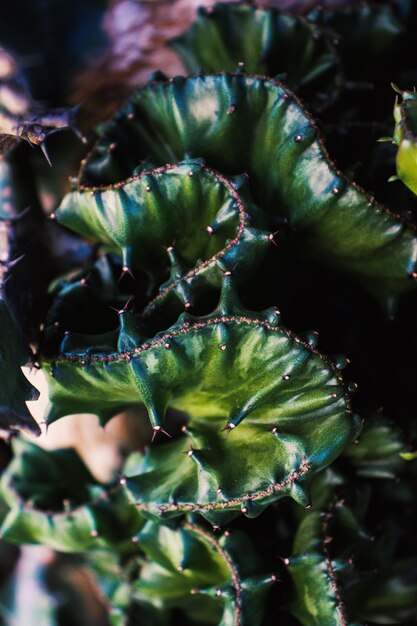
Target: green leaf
[
  {"x": 52, "y": 502},
  {"x": 15, "y": 389},
  {"x": 282, "y": 404},
  {"x": 186, "y": 216},
  {"x": 191, "y": 569},
  {"x": 265, "y": 41},
  {"x": 268, "y": 134}
]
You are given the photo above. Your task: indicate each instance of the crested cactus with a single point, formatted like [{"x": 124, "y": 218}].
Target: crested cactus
[
  {"x": 249, "y": 123},
  {"x": 211, "y": 222}
]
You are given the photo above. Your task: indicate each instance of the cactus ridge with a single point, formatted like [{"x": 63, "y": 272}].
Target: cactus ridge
[
  {"x": 182, "y": 368},
  {"x": 336, "y": 556},
  {"x": 235, "y": 503},
  {"x": 149, "y": 216},
  {"x": 231, "y": 566},
  {"x": 290, "y": 172},
  {"x": 313, "y": 568},
  {"x": 192, "y": 564}
]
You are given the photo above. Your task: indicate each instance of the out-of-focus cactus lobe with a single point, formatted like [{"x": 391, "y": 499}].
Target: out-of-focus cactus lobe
[
  {"x": 54, "y": 501},
  {"x": 193, "y": 569},
  {"x": 266, "y": 41}
]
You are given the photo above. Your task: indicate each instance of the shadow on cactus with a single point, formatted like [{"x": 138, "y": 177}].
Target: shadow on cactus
[{"x": 355, "y": 564}]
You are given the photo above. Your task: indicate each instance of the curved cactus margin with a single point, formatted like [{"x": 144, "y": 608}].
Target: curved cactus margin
[
  {"x": 185, "y": 215},
  {"x": 188, "y": 568},
  {"x": 405, "y": 137},
  {"x": 315, "y": 573},
  {"x": 283, "y": 406},
  {"x": 239, "y": 122},
  {"x": 192, "y": 569},
  {"x": 266, "y": 41},
  {"x": 340, "y": 573},
  {"x": 54, "y": 501}
]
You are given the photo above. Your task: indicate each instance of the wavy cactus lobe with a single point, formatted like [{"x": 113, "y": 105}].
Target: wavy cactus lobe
[
  {"x": 290, "y": 174},
  {"x": 283, "y": 406},
  {"x": 191, "y": 568},
  {"x": 184, "y": 215},
  {"x": 264, "y": 41}
]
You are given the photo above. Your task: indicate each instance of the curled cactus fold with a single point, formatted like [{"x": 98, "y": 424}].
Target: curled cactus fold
[
  {"x": 185, "y": 215},
  {"x": 191, "y": 568},
  {"x": 265, "y": 41},
  {"x": 339, "y": 564},
  {"x": 290, "y": 174},
  {"x": 288, "y": 412}
]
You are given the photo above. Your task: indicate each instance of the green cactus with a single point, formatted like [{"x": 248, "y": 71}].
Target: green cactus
[
  {"x": 340, "y": 572},
  {"x": 187, "y": 215},
  {"x": 290, "y": 174},
  {"x": 203, "y": 203},
  {"x": 266, "y": 41},
  {"x": 405, "y": 137},
  {"x": 205, "y": 472},
  {"x": 202, "y": 573}
]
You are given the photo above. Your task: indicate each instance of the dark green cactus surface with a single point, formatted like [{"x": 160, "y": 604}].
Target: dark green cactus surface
[
  {"x": 265, "y": 41},
  {"x": 249, "y": 123},
  {"x": 214, "y": 218},
  {"x": 15, "y": 389}
]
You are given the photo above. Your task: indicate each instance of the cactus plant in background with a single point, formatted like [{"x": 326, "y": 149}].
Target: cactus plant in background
[{"x": 214, "y": 219}]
